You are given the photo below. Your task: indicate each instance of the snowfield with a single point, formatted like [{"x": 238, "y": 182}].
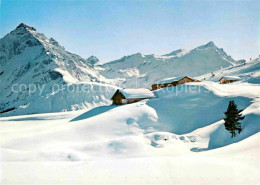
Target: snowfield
[{"x": 176, "y": 138}]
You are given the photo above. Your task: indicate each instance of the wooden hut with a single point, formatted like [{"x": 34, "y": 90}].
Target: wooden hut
[
  {"x": 173, "y": 82},
  {"x": 126, "y": 96},
  {"x": 228, "y": 79}
]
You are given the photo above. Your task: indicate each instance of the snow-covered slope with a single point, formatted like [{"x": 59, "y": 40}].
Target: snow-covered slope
[
  {"x": 177, "y": 137},
  {"x": 247, "y": 71},
  {"x": 33, "y": 68},
  {"x": 162, "y": 140},
  {"x": 187, "y": 117},
  {"x": 144, "y": 70}
]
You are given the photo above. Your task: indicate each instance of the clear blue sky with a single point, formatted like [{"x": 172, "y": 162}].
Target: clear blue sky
[{"x": 111, "y": 29}]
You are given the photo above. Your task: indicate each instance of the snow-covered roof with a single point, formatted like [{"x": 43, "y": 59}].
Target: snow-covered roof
[
  {"x": 231, "y": 77},
  {"x": 166, "y": 80},
  {"x": 180, "y": 77},
  {"x": 137, "y": 93},
  {"x": 171, "y": 79}
]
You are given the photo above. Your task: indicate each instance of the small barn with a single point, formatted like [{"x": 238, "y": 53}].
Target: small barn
[
  {"x": 228, "y": 79},
  {"x": 173, "y": 82},
  {"x": 126, "y": 96}
]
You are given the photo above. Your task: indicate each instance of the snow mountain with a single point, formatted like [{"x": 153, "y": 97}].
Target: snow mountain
[
  {"x": 40, "y": 71},
  {"x": 144, "y": 70},
  {"x": 38, "y": 75}
]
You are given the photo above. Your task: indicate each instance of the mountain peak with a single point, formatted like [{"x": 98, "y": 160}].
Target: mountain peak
[
  {"x": 93, "y": 60},
  {"x": 207, "y": 46},
  {"x": 22, "y": 25},
  {"x": 210, "y": 44},
  {"x": 53, "y": 41}
]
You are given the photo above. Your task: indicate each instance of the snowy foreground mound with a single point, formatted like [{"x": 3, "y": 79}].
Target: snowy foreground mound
[{"x": 176, "y": 138}]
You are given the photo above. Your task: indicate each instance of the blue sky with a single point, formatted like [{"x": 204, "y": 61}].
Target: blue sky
[{"x": 111, "y": 29}]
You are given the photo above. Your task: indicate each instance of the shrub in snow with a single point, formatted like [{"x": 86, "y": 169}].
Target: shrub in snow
[{"x": 233, "y": 115}]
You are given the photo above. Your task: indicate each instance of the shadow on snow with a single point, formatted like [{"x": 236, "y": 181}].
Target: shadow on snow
[{"x": 94, "y": 112}]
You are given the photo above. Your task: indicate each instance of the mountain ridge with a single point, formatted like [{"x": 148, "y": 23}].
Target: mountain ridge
[
  {"x": 145, "y": 69},
  {"x": 29, "y": 58}
]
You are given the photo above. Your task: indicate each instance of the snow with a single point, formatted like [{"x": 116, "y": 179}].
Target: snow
[
  {"x": 66, "y": 76},
  {"x": 137, "y": 93},
  {"x": 157, "y": 141},
  {"x": 148, "y": 69},
  {"x": 226, "y": 166},
  {"x": 176, "y": 137},
  {"x": 166, "y": 80},
  {"x": 177, "y": 53},
  {"x": 131, "y": 72},
  {"x": 231, "y": 77},
  {"x": 248, "y": 72},
  {"x": 171, "y": 79},
  {"x": 41, "y": 65}
]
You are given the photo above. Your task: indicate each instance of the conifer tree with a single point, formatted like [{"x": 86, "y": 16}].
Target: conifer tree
[{"x": 233, "y": 115}]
